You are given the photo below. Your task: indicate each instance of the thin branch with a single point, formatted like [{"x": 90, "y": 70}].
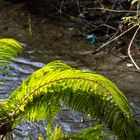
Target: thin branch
[
  {"x": 123, "y": 59},
  {"x": 129, "y": 49},
  {"x": 78, "y": 5},
  {"x": 30, "y": 25},
  {"x": 110, "y": 11},
  {"x": 108, "y": 42},
  {"x": 61, "y": 5},
  {"x": 115, "y": 11}
]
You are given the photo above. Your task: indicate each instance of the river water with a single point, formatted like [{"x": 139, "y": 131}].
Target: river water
[{"x": 44, "y": 42}]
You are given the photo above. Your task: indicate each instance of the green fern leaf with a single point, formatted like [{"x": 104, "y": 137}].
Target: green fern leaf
[
  {"x": 8, "y": 49},
  {"x": 42, "y": 95}
]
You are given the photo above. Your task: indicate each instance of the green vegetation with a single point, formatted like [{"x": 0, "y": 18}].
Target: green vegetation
[
  {"x": 41, "y": 96},
  {"x": 133, "y": 19},
  {"x": 8, "y": 49},
  {"x": 91, "y": 133}
]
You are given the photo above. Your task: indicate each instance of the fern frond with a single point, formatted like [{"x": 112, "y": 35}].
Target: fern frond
[
  {"x": 42, "y": 94},
  {"x": 57, "y": 134},
  {"x": 8, "y": 49},
  {"x": 90, "y": 133}
]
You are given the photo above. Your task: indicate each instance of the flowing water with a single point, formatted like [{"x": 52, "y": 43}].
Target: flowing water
[{"x": 44, "y": 42}]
